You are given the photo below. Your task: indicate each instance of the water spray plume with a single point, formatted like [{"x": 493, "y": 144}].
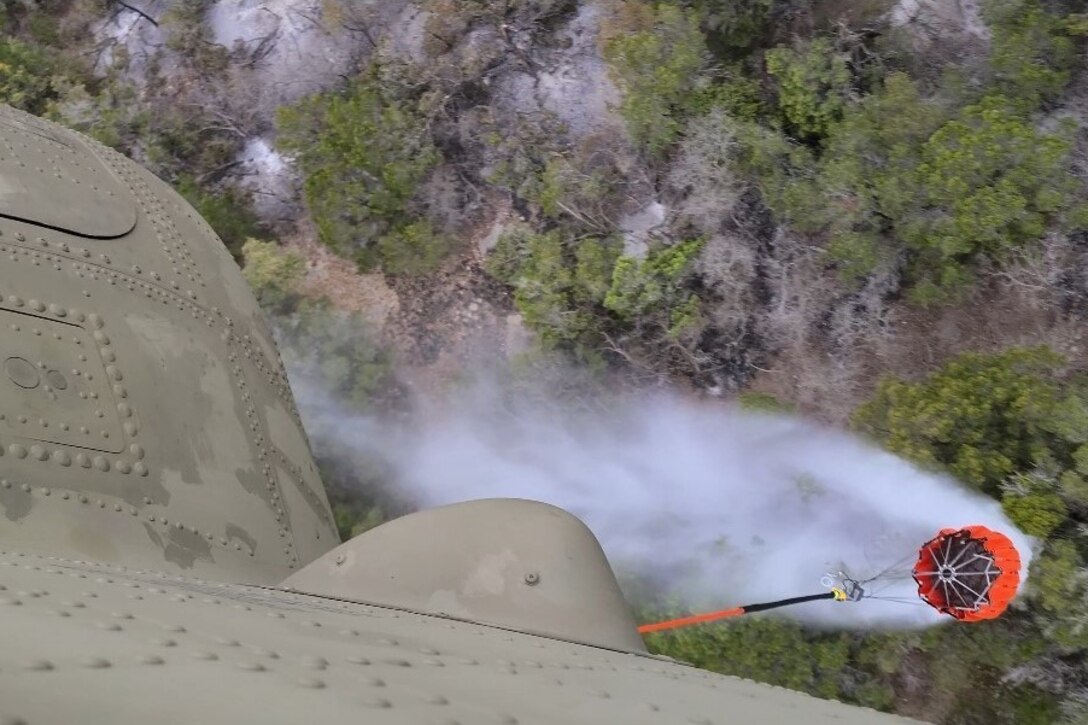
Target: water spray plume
[{"x": 710, "y": 504}]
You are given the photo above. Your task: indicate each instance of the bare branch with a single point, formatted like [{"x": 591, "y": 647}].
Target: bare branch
[{"x": 136, "y": 10}]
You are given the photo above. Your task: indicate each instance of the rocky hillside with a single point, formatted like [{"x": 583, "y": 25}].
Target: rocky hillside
[{"x": 873, "y": 212}]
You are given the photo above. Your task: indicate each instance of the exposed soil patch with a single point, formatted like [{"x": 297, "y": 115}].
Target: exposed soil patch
[
  {"x": 338, "y": 280},
  {"x": 436, "y": 324}
]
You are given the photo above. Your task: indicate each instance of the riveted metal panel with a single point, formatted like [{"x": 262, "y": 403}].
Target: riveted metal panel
[
  {"x": 56, "y": 389},
  {"x": 48, "y": 178},
  {"x": 176, "y": 442},
  {"x": 85, "y": 643}
]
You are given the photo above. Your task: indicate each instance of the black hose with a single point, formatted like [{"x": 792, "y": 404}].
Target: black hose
[{"x": 749, "y": 609}]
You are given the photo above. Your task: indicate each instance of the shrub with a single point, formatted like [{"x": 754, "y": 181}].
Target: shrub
[
  {"x": 227, "y": 210},
  {"x": 583, "y": 296},
  {"x": 558, "y": 285},
  {"x": 27, "y": 76},
  {"x": 364, "y": 152},
  {"x": 734, "y": 26},
  {"x": 1031, "y": 52},
  {"x": 338, "y": 352},
  {"x": 988, "y": 182},
  {"x": 982, "y": 417},
  {"x": 273, "y": 274},
  {"x": 657, "y": 69},
  {"x": 813, "y": 86},
  {"x": 1037, "y": 513},
  {"x": 651, "y": 293}
]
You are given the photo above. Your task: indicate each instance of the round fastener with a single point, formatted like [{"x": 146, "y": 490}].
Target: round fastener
[
  {"x": 314, "y": 663},
  {"x": 95, "y": 663},
  {"x": 57, "y": 380},
  {"x": 39, "y": 665},
  {"x": 22, "y": 372},
  {"x": 532, "y": 578}
]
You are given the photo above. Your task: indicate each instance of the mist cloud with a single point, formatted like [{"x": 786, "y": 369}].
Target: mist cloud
[{"x": 715, "y": 505}]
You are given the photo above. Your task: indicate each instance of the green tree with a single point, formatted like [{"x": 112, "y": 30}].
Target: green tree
[
  {"x": 735, "y": 26},
  {"x": 1037, "y": 513},
  {"x": 558, "y": 284},
  {"x": 813, "y": 86},
  {"x": 988, "y": 182},
  {"x": 188, "y": 33},
  {"x": 364, "y": 152},
  {"x": 583, "y": 296},
  {"x": 273, "y": 274},
  {"x": 652, "y": 292},
  {"x": 982, "y": 417},
  {"x": 658, "y": 68},
  {"x": 1059, "y": 583},
  {"x": 1032, "y": 50},
  {"x": 227, "y": 210},
  {"x": 339, "y": 352},
  {"x": 1014, "y": 425},
  {"x": 28, "y": 76},
  {"x": 763, "y": 648},
  {"x": 867, "y": 178}
]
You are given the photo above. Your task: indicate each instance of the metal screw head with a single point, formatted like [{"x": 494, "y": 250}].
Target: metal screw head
[
  {"x": 340, "y": 559},
  {"x": 532, "y": 578}
]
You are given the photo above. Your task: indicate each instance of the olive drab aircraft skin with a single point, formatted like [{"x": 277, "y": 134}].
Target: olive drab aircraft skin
[{"x": 167, "y": 551}]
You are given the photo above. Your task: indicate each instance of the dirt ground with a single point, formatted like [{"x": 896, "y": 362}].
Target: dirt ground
[{"x": 437, "y": 325}]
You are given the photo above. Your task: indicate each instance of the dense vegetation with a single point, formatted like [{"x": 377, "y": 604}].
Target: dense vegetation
[
  {"x": 821, "y": 171},
  {"x": 1013, "y": 425}
]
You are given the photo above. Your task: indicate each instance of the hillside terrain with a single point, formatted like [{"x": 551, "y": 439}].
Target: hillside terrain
[{"x": 870, "y": 212}]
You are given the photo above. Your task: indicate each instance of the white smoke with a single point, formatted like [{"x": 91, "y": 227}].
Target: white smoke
[{"x": 720, "y": 506}]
